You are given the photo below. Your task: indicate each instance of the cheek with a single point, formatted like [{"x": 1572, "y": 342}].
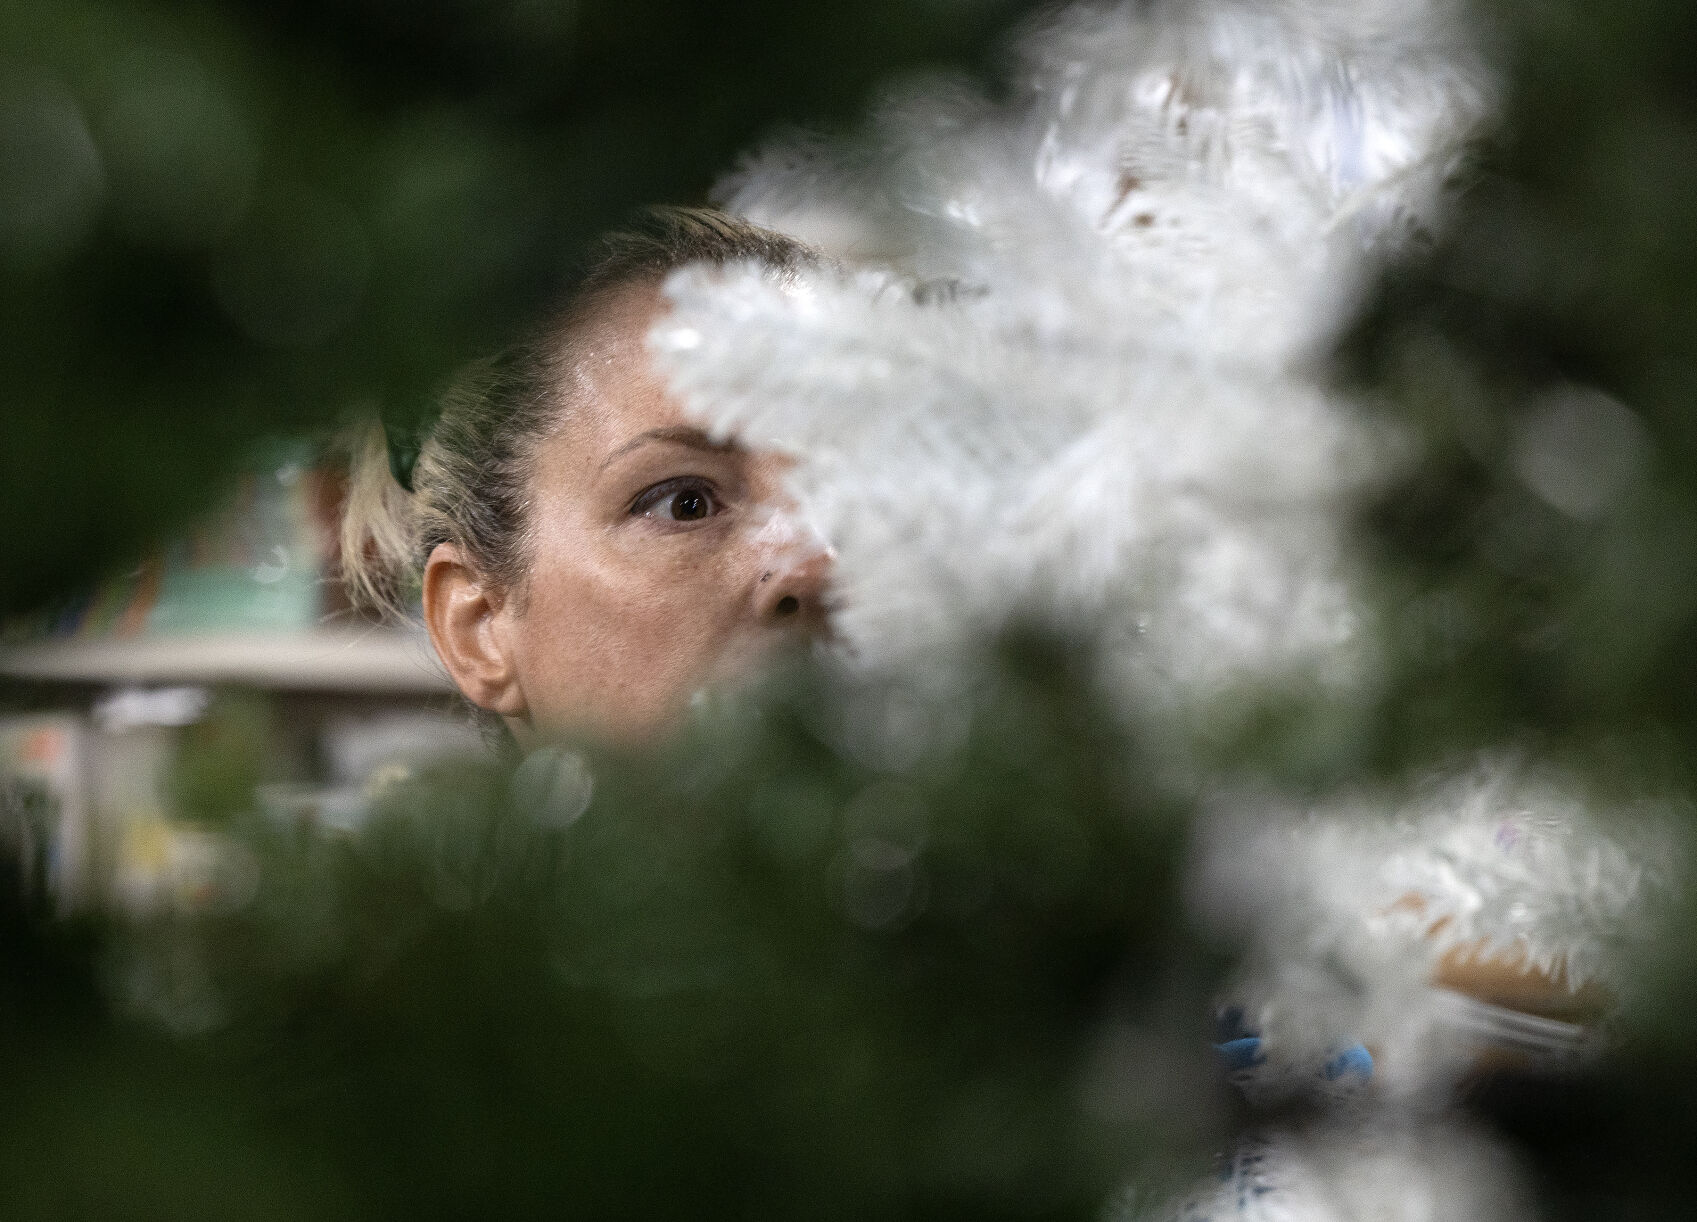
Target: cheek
[{"x": 617, "y": 636}]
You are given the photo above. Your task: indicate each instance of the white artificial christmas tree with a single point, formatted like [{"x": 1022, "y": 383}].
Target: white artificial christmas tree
[{"x": 1069, "y": 365}]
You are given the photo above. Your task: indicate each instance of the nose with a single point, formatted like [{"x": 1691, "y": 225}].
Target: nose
[{"x": 792, "y": 585}]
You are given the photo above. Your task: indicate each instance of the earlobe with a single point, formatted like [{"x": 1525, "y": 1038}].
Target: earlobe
[{"x": 467, "y": 619}]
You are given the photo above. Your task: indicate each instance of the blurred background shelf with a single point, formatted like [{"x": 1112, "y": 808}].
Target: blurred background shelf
[
  {"x": 221, "y": 677},
  {"x": 366, "y": 660}
]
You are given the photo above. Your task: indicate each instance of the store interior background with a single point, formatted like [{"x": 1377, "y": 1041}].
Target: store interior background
[{"x": 226, "y": 663}]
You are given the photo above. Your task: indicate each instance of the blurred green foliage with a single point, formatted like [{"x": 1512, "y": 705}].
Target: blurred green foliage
[
  {"x": 220, "y": 221},
  {"x": 223, "y": 758},
  {"x": 766, "y": 973},
  {"x": 1543, "y": 554}
]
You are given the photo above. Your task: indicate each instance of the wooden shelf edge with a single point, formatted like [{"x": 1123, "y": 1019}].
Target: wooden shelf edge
[{"x": 340, "y": 660}]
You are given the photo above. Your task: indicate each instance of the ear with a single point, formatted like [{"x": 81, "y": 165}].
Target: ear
[{"x": 469, "y": 625}]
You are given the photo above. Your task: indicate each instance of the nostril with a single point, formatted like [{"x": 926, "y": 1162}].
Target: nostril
[{"x": 787, "y": 605}]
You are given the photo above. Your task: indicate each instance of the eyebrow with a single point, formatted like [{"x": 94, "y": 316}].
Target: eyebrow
[{"x": 678, "y": 434}]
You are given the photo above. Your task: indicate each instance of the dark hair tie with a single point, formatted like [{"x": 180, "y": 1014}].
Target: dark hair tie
[{"x": 404, "y": 442}]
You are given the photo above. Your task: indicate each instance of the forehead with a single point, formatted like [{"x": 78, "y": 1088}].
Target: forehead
[{"x": 611, "y": 389}]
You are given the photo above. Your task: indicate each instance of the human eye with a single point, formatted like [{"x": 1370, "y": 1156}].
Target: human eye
[{"x": 686, "y": 499}]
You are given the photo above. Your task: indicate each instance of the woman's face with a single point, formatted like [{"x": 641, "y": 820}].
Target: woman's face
[{"x": 660, "y": 560}]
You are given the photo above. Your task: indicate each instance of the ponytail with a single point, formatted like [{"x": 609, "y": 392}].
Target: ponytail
[{"x": 379, "y": 561}]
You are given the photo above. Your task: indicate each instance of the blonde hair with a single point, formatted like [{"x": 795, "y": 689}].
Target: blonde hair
[{"x": 470, "y": 481}]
